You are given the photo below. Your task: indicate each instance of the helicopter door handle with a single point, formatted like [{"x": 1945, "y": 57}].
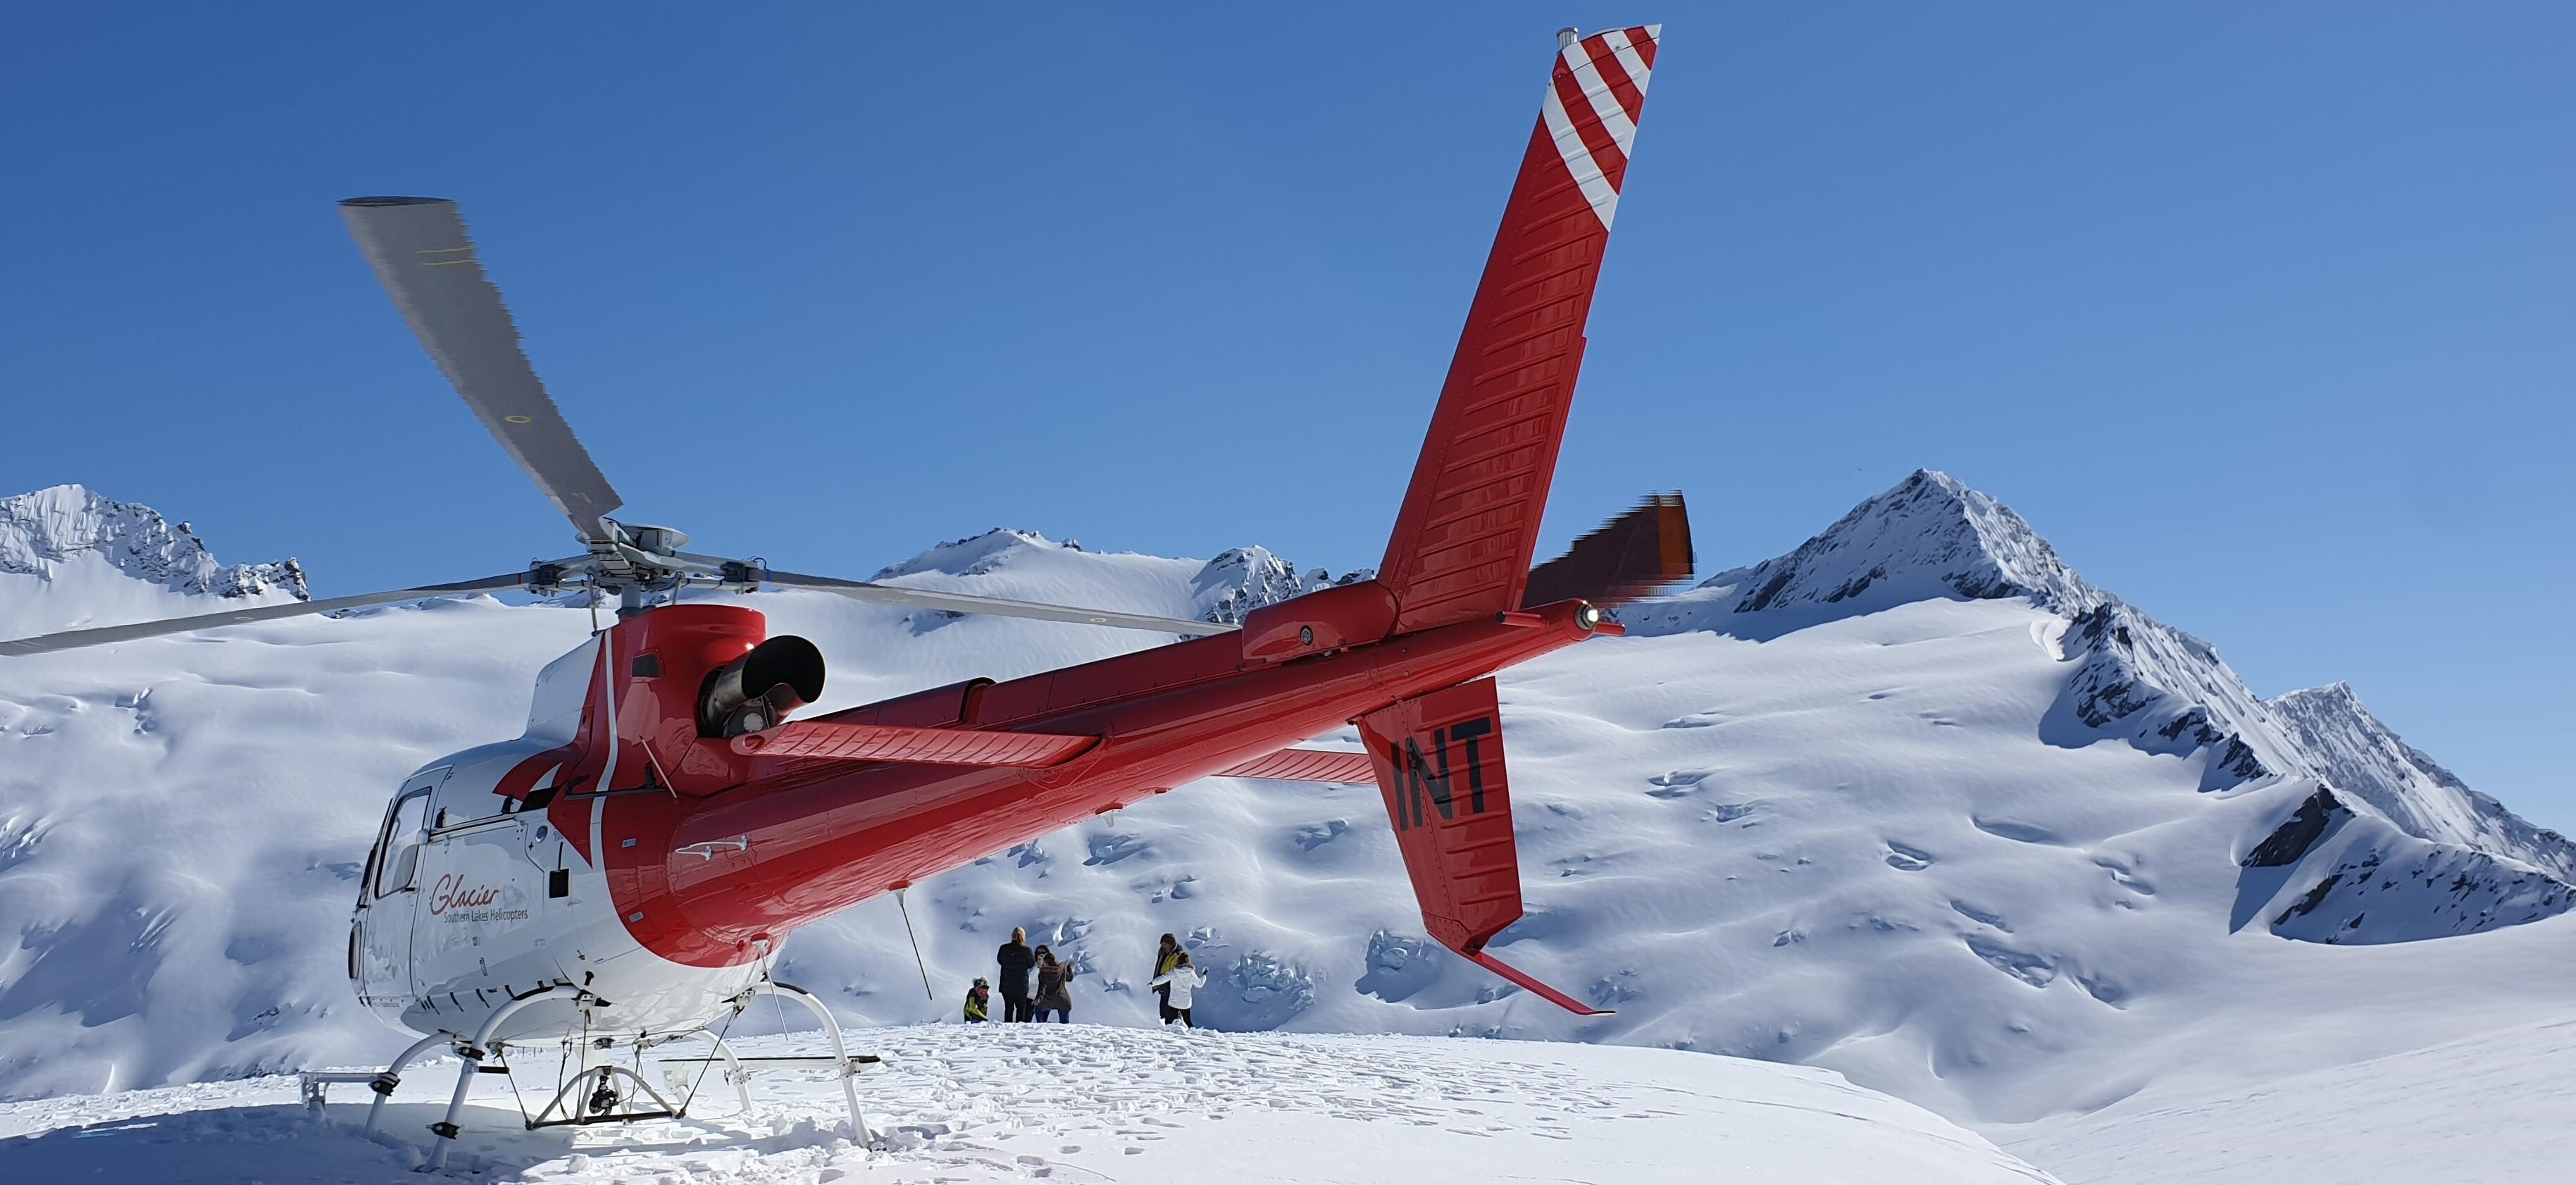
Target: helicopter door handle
[{"x": 707, "y": 849}]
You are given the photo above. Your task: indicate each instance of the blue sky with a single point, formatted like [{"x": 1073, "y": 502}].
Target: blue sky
[{"x": 2260, "y": 313}]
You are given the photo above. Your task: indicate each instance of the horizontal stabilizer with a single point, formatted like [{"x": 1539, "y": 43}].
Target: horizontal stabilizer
[
  {"x": 1634, "y": 555},
  {"x": 929, "y": 746},
  {"x": 1306, "y": 765},
  {"x": 1439, "y": 762}
]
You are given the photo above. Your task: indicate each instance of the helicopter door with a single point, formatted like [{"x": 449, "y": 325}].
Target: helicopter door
[
  {"x": 475, "y": 924},
  {"x": 385, "y": 904}
]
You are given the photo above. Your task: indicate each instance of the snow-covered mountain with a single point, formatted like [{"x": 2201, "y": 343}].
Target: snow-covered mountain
[
  {"x": 1914, "y": 803},
  {"x": 2165, "y": 691},
  {"x": 86, "y": 560},
  {"x": 2362, "y": 757},
  {"x": 1222, "y": 590}
]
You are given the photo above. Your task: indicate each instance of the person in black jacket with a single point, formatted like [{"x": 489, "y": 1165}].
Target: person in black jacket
[
  {"x": 1016, "y": 958},
  {"x": 1166, "y": 957}
]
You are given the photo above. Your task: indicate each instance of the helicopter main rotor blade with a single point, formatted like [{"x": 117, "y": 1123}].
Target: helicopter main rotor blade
[
  {"x": 75, "y": 639},
  {"x": 426, "y": 262},
  {"x": 949, "y": 602}
]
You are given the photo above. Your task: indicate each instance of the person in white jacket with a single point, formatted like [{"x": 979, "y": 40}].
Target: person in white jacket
[{"x": 1182, "y": 980}]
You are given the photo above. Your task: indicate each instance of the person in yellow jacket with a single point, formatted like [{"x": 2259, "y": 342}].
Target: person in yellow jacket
[
  {"x": 1165, "y": 959},
  {"x": 979, "y": 1002}
]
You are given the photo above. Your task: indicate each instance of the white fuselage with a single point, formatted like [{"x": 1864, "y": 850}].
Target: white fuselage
[{"x": 468, "y": 903}]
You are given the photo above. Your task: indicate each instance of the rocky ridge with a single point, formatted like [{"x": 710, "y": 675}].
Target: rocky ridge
[
  {"x": 41, "y": 530},
  {"x": 2364, "y": 758}
]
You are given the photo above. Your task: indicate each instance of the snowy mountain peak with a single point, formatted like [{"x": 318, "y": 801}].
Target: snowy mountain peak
[
  {"x": 41, "y": 531},
  {"x": 2357, "y": 754},
  {"x": 1933, "y": 538},
  {"x": 1238, "y": 581},
  {"x": 1242, "y": 579},
  {"x": 1930, "y": 536},
  {"x": 974, "y": 555},
  {"x": 2159, "y": 688}
]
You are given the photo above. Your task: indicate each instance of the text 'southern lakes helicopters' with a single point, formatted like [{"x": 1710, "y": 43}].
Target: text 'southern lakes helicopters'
[{"x": 622, "y": 873}]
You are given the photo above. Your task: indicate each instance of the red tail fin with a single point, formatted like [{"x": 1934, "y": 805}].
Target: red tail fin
[
  {"x": 1439, "y": 760},
  {"x": 1470, "y": 520}
]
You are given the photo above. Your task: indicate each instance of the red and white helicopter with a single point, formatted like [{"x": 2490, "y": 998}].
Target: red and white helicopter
[{"x": 620, "y": 875}]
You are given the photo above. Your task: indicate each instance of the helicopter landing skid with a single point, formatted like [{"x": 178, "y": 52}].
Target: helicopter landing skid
[
  {"x": 595, "y": 1096},
  {"x": 842, "y": 1063}
]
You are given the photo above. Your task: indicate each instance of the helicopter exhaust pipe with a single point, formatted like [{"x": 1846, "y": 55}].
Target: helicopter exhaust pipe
[{"x": 759, "y": 689}]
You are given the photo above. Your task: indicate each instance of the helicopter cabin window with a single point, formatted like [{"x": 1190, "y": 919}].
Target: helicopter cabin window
[
  {"x": 457, "y": 807},
  {"x": 398, "y": 852}
]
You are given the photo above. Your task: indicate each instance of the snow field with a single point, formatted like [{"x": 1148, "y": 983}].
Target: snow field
[
  {"x": 2490, "y": 1108},
  {"x": 1080, "y": 1103},
  {"x": 1868, "y": 834}
]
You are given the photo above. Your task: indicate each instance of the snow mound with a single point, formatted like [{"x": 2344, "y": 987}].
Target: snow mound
[{"x": 1082, "y": 1102}]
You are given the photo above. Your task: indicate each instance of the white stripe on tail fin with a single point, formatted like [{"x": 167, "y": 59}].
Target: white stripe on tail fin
[{"x": 1465, "y": 536}]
